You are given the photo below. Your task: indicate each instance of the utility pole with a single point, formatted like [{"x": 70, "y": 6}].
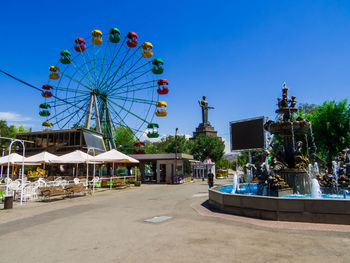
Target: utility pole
[{"x": 175, "y": 156}]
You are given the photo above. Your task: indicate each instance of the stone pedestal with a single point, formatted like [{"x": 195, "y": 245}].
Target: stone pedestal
[
  {"x": 205, "y": 128},
  {"x": 298, "y": 180}
]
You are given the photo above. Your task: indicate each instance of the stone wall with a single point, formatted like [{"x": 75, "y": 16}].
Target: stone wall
[{"x": 282, "y": 209}]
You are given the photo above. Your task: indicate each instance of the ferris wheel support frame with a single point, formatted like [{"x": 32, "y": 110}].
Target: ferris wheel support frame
[
  {"x": 109, "y": 135},
  {"x": 93, "y": 102}
]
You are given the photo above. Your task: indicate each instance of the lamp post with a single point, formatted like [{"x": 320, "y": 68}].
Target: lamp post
[
  {"x": 94, "y": 169},
  {"x": 175, "y": 155},
  {"x": 8, "y": 167},
  {"x": 3, "y": 152},
  {"x": 8, "y": 163}
]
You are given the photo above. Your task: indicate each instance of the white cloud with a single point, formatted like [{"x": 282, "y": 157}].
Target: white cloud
[{"x": 13, "y": 117}]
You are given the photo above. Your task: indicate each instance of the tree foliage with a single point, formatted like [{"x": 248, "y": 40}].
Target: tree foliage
[
  {"x": 124, "y": 139},
  {"x": 205, "y": 147},
  {"x": 306, "y": 108},
  {"x": 168, "y": 145},
  {"x": 331, "y": 128},
  {"x": 223, "y": 164},
  {"x": 10, "y": 131}
]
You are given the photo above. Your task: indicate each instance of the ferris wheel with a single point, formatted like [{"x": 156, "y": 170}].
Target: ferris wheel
[{"x": 105, "y": 83}]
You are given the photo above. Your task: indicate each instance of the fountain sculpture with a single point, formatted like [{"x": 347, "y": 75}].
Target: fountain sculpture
[{"x": 289, "y": 164}]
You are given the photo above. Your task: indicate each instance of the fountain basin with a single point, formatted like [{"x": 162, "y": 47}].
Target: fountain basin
[
  {"x": 331, "y": 211},
  {"x": 285, "y": 128}
]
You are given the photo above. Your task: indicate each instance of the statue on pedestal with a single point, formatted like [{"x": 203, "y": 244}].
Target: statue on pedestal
[{"x": 204, "y": 105}]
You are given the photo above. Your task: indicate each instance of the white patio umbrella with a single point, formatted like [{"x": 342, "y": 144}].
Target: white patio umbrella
[
  {"x": 77, "y": 157},
  {"x": 43, "y": 158},
  {"x": 114, "y": 156},
  {"x": 13, "y": 158}
]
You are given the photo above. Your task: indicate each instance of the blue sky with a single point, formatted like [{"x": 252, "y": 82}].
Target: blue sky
[{"x": 236, "y": 53}]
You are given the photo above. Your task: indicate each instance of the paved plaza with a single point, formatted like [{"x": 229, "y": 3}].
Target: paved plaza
[{"x": 110, "y": 227}]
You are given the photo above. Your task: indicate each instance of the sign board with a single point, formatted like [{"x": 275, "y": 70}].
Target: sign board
[{"x": 248, "y": 134}]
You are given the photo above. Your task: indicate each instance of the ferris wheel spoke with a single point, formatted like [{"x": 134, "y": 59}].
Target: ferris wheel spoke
[
  {"x": 72, "y": 90},
  {"x": 134, "y": 85},
  {"x": 76, "y": 81},
  {"x": 93, "y": 64},
  {"x": 83, "y": 115},
  {"x": 129, "y": 73},
  {"x": 112, "y": 82},
  {"x": 133, "y": 114},
  {"x": 70, "y": 100},
  {"x": 126, "y": 73},
  {"x": 72, "y": 115},
  {"x": 103, "y": 57},
  {"x": 144, "y": 101},
  {"x": 81, "y": 72},
  {"x": 130, "y": 81},
  {"x": 117, "y": 116},
  {"x": 133, "y": 90},
  {"x": 87, "y": 68},
  {"x": 66, "y": 109},
  {"x": 111, "y": 64},
  {"x": 115, "y": 72},
  {"x": 123, "y": 62}
]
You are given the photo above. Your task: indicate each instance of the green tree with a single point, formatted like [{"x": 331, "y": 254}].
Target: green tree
[
  {"x": 168, "y": 145},
  {"x": 223, "y": 164},
  {"x": 331, "y": 128},
  {"x": 10, "y": 132},
  {"x": 242, "y": 159},
  {"x": 205, "y": 147},
  {"x": 306, "y": 108},
  {"x": 124, "y": 139},
  {"x": 151, "y": 148},
  {"x": 181, "y": 143}
]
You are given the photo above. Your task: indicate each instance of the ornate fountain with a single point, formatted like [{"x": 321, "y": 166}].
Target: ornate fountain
[
  {"x": 285, "y": 173},
  {"x": 290, "y": 164}
]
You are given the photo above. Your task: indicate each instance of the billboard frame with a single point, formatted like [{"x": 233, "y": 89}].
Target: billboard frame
[{"x": 264, "y": 118}]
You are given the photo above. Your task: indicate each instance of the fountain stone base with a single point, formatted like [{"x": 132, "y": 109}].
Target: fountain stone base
[
  {"x": 298, "y": 180},
  {"x": 280, "y": 192}
]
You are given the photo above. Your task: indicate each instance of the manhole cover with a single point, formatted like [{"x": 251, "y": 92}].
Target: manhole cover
[{"x": 158, "y": 219}]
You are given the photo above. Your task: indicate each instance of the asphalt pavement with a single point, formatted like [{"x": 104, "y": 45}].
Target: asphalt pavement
[{"x": 157, "y": 223}]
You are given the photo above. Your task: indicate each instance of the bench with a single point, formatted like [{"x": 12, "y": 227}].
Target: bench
[
  {"x": 119, "y": 182},
  {"x": 52, "y": 191},
  {"x": 72, "y": 189}
]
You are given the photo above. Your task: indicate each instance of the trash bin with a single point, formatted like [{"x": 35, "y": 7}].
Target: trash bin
[{"x": 8, "y": 202}]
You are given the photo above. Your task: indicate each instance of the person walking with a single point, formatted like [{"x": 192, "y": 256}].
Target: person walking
[{"x": 210, "y": 179}]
